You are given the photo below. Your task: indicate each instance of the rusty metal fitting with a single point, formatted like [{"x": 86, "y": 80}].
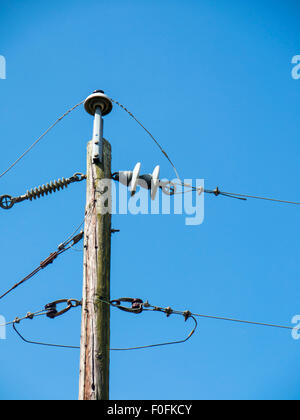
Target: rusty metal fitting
[
  {"x": 136, "y": 305},
  {"x": 187, "y": 315},
  {"x": 168, "y": 311},
  {"x": 52, "y": 307}
]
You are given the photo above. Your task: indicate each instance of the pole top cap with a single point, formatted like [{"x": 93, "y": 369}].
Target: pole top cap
[{"x": 98, "y": 98}]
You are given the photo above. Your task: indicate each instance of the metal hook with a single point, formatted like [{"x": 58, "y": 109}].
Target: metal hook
[{"x": 7, "y": 202}]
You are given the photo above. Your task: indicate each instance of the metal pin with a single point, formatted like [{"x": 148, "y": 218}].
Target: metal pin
[
  {"x": 98, "y": 105},
  {"x": 98, "y": 136}
]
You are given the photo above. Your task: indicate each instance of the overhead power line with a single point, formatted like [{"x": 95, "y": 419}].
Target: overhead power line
[
  {"x": 137, "y": 307},
  {"x": 150, "y": 134},
  {"x": 234, "y": 195},
  {"x": 244, "y": 197},
  {"x": 65, "y": 246},
  {"x": 216, "y": 191},
  {"x": 51, "y": 312},
  {"x": 40, "y": 138}
]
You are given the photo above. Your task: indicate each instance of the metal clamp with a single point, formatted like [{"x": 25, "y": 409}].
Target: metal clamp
[
  {"x": 52, "y": 311},
  {"x": 136, "y": 305}
]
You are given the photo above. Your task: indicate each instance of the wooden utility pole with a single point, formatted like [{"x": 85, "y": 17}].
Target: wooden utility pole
[{"x": 95, "y": 330}]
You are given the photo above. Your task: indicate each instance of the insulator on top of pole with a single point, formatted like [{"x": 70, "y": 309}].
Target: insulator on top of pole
[{"x": 98, "y": 105}]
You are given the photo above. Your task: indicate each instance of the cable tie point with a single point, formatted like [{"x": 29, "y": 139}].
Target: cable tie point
[
  {"x": 187, "y": 315},
  {"x": 168, "y": 311},
  {"x": 217, "y": 192}
]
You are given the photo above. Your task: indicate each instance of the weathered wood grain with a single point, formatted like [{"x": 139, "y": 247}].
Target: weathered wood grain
[{"x": 95, "y": 329}]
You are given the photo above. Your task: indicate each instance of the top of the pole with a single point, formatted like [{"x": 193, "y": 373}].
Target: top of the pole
[{"x": 98, "y": 99}]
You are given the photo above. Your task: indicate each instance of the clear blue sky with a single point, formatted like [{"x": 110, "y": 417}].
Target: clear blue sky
[{"x": 212, "y": 80}]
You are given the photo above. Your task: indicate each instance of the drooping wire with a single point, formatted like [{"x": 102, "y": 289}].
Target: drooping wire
[
  {"x": 41, "y": 137},
  {"x": 17, "y": 321},
  {"x": 243, "y": 197},
  {"x": 51, "y": 312},
  {"x": 145, "y": 306},
  {"x": 150, "y": 134},
  {"x": 169, "y": 343},
  {"x": 41, "y": 343}
]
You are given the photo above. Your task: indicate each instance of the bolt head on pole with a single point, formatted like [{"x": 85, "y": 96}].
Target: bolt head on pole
[{"x": 98, "y": 99}]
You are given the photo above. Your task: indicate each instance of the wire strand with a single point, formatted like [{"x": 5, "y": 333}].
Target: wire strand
[
  {"x": 150, "y": 134},
  {"x": 225, "y": 194},
  {"x": 262, "y": 324},
  {"x": 244, "y": 197},
  {"x": 41, "y": 343},
  {"x": 145, "y": 307},
  {"x": 261, "y": 198},
  {"x": 40, "y": 138},
  {"x": 28, "y": 316},
  {"x": 61, "y": 249},
  {"x": 162, "y": 344}
]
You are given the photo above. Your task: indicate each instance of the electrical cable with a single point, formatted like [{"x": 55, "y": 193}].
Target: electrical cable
[
  {"x": 28, "y": 316},
  {"x": 61, "y": 249},
  {"x": 243, "y": 197},
  {"x": 138, "y": 306},
  {"x": 43, "y": 344},
  {"x": 217, "y": 191},
  {"x": 41, "y": 137},
  {"x": 263, "y": 324},
  {"x": 50, "y": 311},
  {"x": 150, "y": 134}
]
